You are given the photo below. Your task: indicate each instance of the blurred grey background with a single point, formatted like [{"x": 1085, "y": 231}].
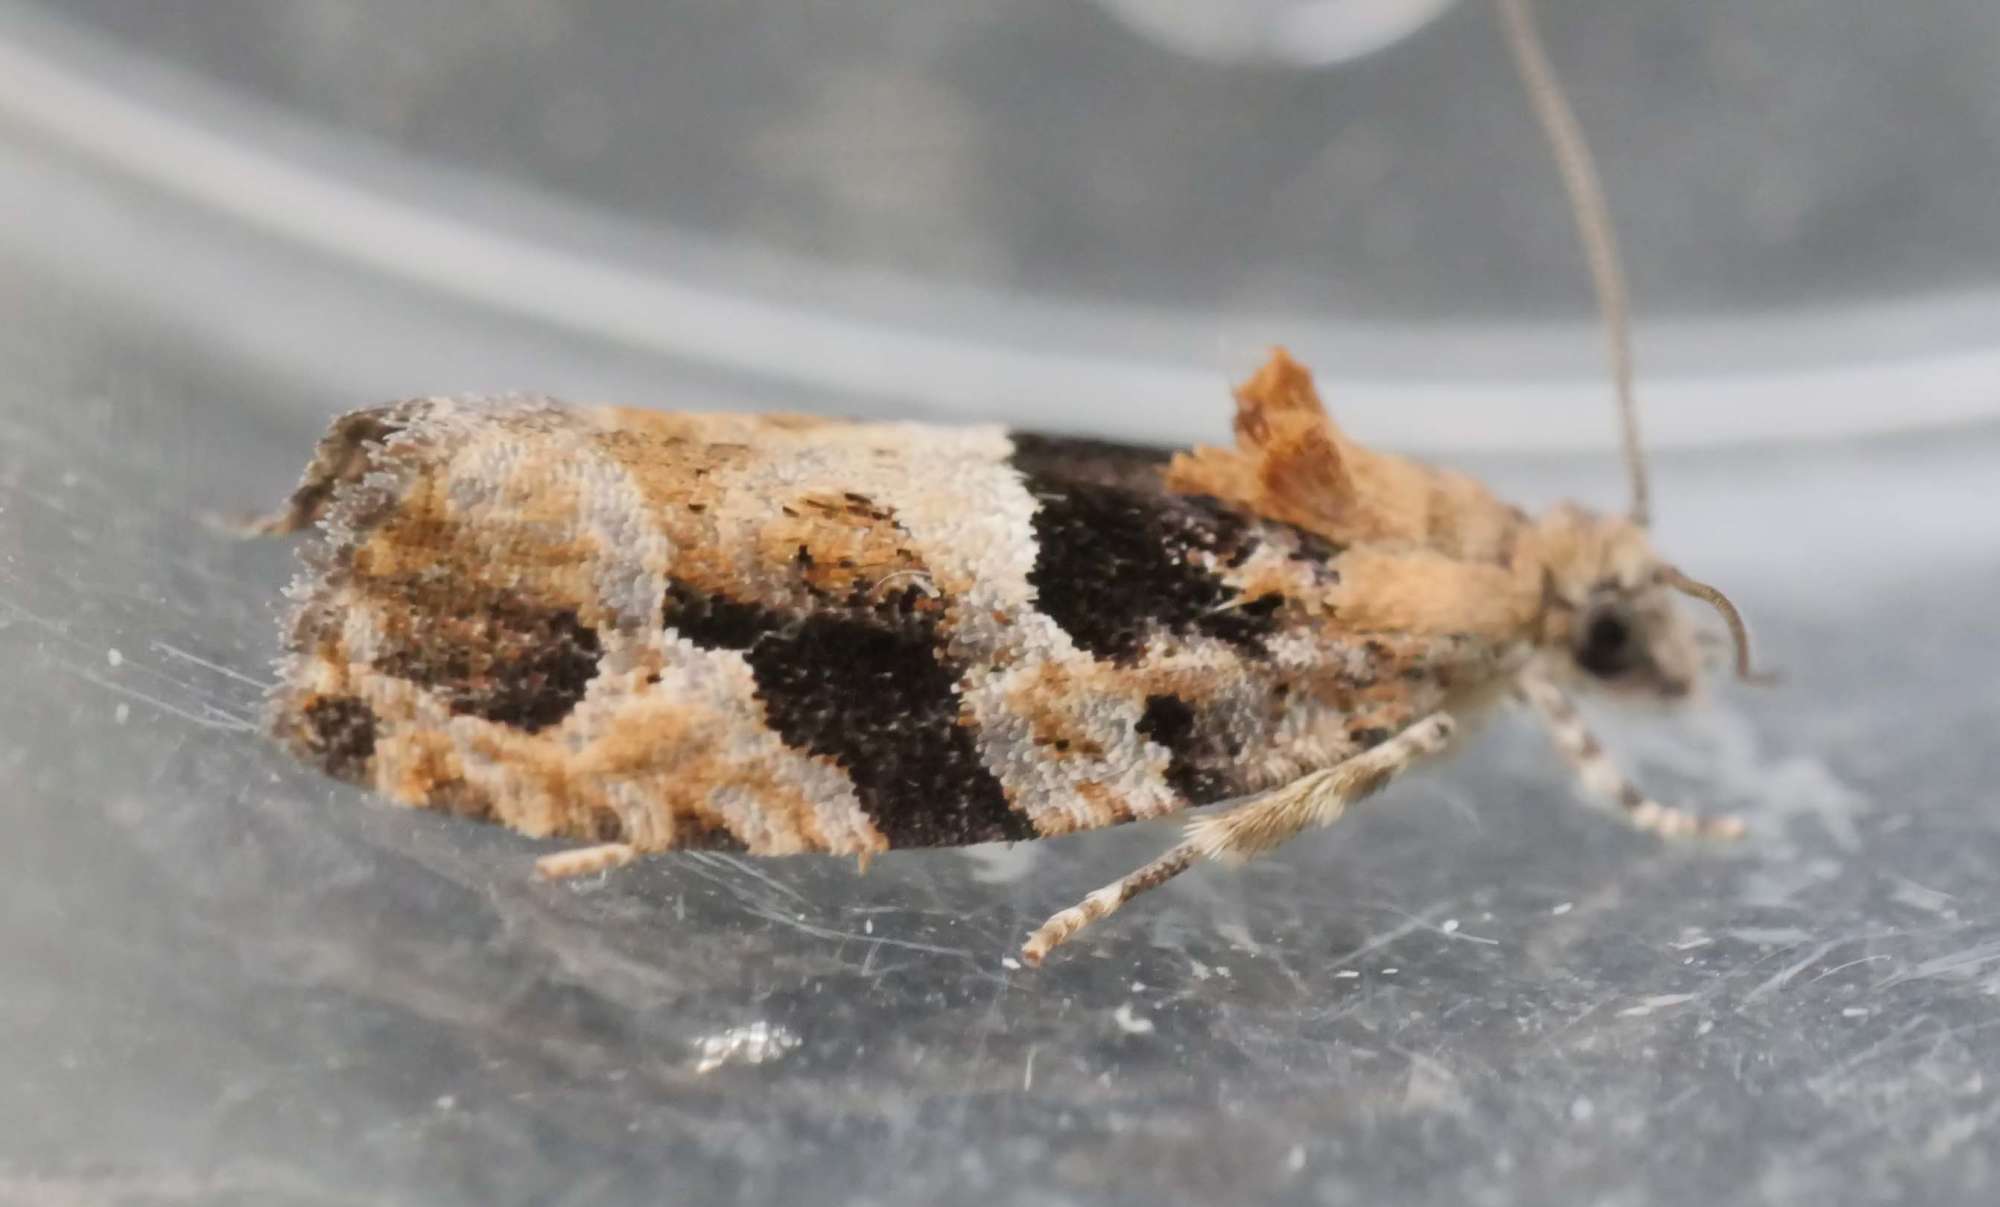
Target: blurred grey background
[
  {"x": 1761, "y": 155},
  {"x": 1046, "y": 210},
  {"x": 224, "y": 980}
]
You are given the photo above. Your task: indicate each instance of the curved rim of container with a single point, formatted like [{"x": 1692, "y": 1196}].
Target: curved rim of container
[{"x": 1835, "y": 370}]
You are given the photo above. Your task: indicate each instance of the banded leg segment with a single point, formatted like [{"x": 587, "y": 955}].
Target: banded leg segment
[
  {"x": 1601, "y": 777},
  {"x": 1256, "y": 826}
]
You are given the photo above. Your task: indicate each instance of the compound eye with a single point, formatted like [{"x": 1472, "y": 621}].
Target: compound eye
[{"x": 1610, "y": 643}]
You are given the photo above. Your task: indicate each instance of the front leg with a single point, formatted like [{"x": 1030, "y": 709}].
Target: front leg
[
  {"x": 1256, "y": 826},
  {"x": 1601, "y": 777}
]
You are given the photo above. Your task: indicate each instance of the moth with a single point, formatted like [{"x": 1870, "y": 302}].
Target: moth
[{"x": 640, "y": 631}]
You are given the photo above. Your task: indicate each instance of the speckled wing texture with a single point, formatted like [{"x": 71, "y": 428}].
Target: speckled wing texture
[{"x": 784, "y": 634}]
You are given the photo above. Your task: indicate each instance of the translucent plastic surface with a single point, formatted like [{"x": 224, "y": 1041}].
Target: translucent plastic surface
[{"x": 224, "y": 979}]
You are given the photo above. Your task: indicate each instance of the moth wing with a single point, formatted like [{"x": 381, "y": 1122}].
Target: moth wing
[
  {"x": 1210, "y": 649},
  {"x": 474, "y": 632}
]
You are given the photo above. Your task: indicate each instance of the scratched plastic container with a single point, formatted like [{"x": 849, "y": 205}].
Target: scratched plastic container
[{"x": 229, "y": 981}]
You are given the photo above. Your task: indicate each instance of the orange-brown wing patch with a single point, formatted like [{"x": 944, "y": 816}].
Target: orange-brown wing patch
[
  {"x": 843, "y": 545},
  {"x": 1291, "y": 463}
]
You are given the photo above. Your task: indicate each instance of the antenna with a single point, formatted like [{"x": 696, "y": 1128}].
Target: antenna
[
  {"x": 1739, "y": 635},
  {"x": 1593, "y": 227}
]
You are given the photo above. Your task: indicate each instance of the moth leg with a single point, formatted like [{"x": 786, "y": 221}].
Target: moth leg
[
  {"x": 583, "y": 861},
  {"x": 1105, "y": 901},
  {"x": 1601, "y": 777},
  {"x": 1256, "y": 826}
]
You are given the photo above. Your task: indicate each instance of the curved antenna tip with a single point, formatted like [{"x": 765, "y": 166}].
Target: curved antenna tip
[{"x": 1739, "y": 633}]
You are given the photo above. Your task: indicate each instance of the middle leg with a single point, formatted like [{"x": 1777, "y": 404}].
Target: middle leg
[{"x": 1256, "y": 826}]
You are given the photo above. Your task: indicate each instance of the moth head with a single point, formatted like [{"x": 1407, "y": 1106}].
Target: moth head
[{"x": 1613, "y": 612}]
